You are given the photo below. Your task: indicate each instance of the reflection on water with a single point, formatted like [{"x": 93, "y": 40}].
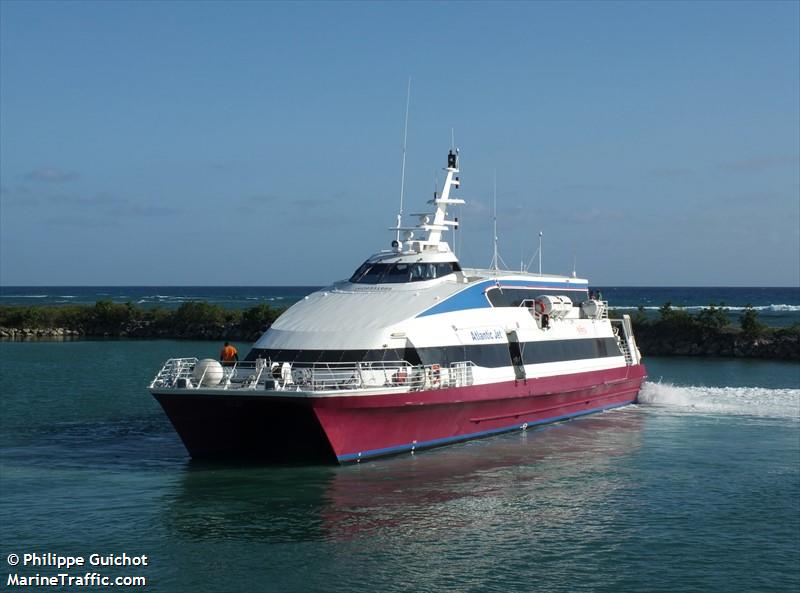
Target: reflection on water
[{"x": 544, "y": 476}]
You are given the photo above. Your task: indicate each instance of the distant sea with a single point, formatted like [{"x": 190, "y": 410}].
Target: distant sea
[{"x": 778, "y": 307}]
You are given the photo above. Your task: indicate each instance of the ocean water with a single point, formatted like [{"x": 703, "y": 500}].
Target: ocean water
[
  {"x": 697, "y": 488},
  {"x": 776, "y": 306}
]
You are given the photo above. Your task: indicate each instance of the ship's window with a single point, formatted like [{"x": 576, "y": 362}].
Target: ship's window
[
  {"x": 377, "y": 273},
  {"x": 396, "y": 273},
  {"x": 485, "y": 355},
  {"x": 360, "y": 272},
  {"x": 445, "y": 268},
  {"x": 509, "y": 296},
  {"x": 373, "y": 274}
]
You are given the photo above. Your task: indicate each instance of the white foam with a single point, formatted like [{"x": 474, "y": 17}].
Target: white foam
[
  {"x": 776, "y": 308},
  {"x": 781, "y": 308},
  {"x": 753, "y": 401}
]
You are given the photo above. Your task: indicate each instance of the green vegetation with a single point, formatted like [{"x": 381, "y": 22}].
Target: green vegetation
[
  {"x": 711, "y": 333},
  {"x": 105, "y": 318},
  {"x": 675, "y": 317},
  {"x": 713, "y": 317},
  {"x": 640, "y": 317},
  {"x": 749, "y": 322}
]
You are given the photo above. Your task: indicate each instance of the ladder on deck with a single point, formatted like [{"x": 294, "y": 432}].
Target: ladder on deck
[
  {"x": 623, "y": 345},
  {"x": 623, "y": 331}
]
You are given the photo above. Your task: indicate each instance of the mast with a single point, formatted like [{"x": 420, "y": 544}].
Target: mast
[{"x": 433, "y": 225}]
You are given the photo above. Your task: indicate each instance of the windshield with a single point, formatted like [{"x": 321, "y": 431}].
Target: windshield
[{"x": 381, "y": 273}]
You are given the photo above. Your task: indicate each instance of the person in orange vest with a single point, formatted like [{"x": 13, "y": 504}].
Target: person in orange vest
[{"x": 229, "y": 353}]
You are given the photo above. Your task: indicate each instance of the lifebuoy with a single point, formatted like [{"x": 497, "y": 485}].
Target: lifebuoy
[
  {"x": 436, "y": 374},
  {"x": 400, "y": 377}
]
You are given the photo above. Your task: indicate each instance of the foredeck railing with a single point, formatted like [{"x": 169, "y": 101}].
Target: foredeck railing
[{"x": 184, "y": 373}]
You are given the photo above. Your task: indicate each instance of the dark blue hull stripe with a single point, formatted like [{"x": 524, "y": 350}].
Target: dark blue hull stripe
[{"x": 465, "y": 437}]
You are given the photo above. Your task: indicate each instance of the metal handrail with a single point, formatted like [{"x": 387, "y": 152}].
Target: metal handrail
[{"x": 178, "y": 373}]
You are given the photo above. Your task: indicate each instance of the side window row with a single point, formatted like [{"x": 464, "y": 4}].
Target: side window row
[{"x": 514, "y": 297}]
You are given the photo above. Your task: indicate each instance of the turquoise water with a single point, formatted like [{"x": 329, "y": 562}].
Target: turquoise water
[{"x": 696, "y": 489}]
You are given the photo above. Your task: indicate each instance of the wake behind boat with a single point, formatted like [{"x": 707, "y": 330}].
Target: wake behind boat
[{"x": 411, "y": 352}]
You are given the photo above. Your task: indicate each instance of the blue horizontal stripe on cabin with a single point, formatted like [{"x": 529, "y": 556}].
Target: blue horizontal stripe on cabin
[{"x": 474, "y": 297}]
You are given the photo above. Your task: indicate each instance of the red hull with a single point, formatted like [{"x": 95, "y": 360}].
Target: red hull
[{"x": 367, "y": 426}]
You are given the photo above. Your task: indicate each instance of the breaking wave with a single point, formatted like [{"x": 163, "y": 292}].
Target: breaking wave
[
  {"x": 775, "y": 308},
  {"x": 752, "y": 401}
]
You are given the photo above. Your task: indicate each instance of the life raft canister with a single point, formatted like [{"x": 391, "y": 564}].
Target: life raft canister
[{"x": 275, "y": 370}]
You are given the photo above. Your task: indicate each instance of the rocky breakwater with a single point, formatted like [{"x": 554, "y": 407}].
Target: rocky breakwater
[
  {"x": 140, "y": 329},
  {"x": 29, "y": 333},
  {"x": 775, "y": 344},
  {"x": 191, "y": 321},
  {"x": 710, "y": 333}
]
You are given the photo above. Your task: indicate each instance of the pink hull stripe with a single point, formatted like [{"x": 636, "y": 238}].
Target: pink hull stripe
[
  {"x": 370, "y": 426},
  {"x": 465, "y": 437}
]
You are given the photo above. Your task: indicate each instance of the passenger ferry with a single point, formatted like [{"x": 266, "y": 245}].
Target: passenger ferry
[{"x": 412, "y": 351}]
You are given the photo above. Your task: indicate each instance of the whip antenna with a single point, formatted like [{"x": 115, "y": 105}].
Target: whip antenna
[
  {"x": 496, "y": 259},
  {"x": 403, "y": 167}
]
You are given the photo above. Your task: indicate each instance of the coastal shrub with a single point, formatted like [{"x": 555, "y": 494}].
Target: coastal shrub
[
  {"x": 258, "y": 318},
  {"x": 20, "y": 317},
  {"x": 109, "y": 317},
  {"x": 157, "y": 316},
  {"x": 640, "y": 318},
  {"x": 199, "y": 313},
  {"x": 675, "y": 317},
  {"x": 749, "y": 322},
  {"x": 68, "y": 316},
  {"x": 713, "y": 318}
]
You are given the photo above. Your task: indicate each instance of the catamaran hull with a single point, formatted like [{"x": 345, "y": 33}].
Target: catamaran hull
[{"x": 348, "y": 428}]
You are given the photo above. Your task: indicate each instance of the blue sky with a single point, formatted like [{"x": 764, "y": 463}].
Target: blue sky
[{"x": 260, "y": 143}]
